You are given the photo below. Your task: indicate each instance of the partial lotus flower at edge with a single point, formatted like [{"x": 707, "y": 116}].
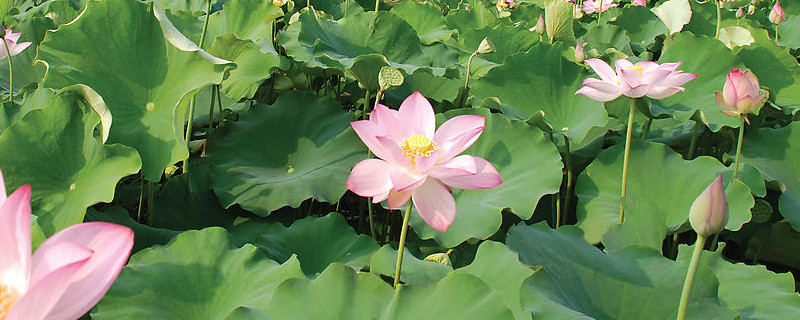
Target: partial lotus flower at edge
[{"x": 14, "y": 47}]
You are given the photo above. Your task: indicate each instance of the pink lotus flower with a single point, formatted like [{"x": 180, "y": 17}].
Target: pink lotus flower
[
  {"x": 15, "y": 48},
  {"x": 418, "y": 163},
  {"x": 67, "y": 275},
  {"x": 741, "y": 94},
  {"x": 591, "y": 6},
  {"x": 639, "y": 3},
  {"x": 644, "y": 78},
  {"x": 709, "y": 212},
  {"x": 776, "y": 15}
]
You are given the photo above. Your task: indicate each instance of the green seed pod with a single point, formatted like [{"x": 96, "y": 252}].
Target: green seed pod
[{"x": 389, "y": 77}]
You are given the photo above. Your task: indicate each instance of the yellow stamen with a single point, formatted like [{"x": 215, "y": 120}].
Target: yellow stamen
[
  {"x": 7, "y": 299},
  {"x": 417, "y": 146},
  {"x": 638, "y": 69}
]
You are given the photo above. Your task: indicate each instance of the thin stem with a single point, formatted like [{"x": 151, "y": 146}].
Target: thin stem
[
  {"x": 188, "y": 135},
  {"x": 646, "y": 129},
  {"x": 141, "y": 198},
  {"x": 469, "y": 65},
  {"x": 695, "y": 135},
  {"x": 625, "y": 162},
  {"x": 378, "y": 97},
  {"x": 599, "y": 13},
  {"x": 403, "y": 233},
  {"x": 371, "y": 223},
  {"x": 211, "y": 110},
  {"x": 738, "y": 148},
  {"x": 11, "y": 73},
  {"x": 687, "y": 285},
  {"x": 366, "y": 102},
  {"x": 219, "y": 101},
  {"x": 568, "y": 196},
  {"x": 377, "y": 2},
  {"x": 150, "y": 199},
  {"x": 776, "y": 34},
  {"x": 719, "y": 18}
]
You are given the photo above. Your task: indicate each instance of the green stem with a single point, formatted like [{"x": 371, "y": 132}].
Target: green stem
[
  {"x": 469, "y": 65},
  {"x": 403, "y": 233},
  {"x": 567, "y": 197},
  {"x": 188, "y": 135},
  {"x": 693, "y": 144},
  {"x": 719, "y": 18},
  {"x": 10, "y": 73},
  {"x": 687, "y": 285},
  {"x": 625, "y": 162},
  {"x": 738, "y": 147},
  {"x": 646, "y": 129},
  {"x": 141, "y": 199},
  {"x": 776, "y": 34},
  {"x": 599, "y": 13},
  {"x": 377, "y": 2},
  {"x": 211, "y": 110},
  {"x": 366, "y": 102}
]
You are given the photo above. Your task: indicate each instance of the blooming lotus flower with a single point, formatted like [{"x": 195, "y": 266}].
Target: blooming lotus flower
[
  {"x": 644, "y": 78},
  {"x": 776, "y": 15},
  {"x": 67, "y": 275},
  {"x": 741, "y": 94},
  {"x": 591, "y": 6},
  {"x": 639, "y": 3},
  {"x": 418, "y": 163},
  {"x": 709, "y": 212},
  {"x": 11, "y": 40}
]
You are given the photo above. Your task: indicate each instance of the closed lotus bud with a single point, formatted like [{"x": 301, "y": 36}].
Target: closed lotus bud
[
  {"x": 709, "y": 212},
  {"x": 741, "y": 94},
  {"x": 777, "y": 16},
  {"x": 740, "y": 13},
  {"x": 579, "y": 54},
  {"x": 751, "y": 9},
  {"x": 540, "y": 25},
  {"x": 639, "y": 3},
  {"x": 486, "y": 46}
]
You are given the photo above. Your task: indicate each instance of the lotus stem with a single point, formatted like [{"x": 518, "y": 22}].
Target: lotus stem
[
  {"x": 366, "y": 102},
  {"x": 625, "y": 162},
  {"x": 211, "y": 110},
  {"x": 469, "y": 66},
  {"x": 188, "y": 135},
  {"x": 687, "y": 285},
  {"x": 776, "y": 34},
  {"x": 738, "y": 148},
  {"x": 141, "y": 198},
  {"x": 568, "y": 160},
  {"x": 403, "y": 233},
  {"x": 599, "y": 15},
  {"x": 11, "y": 72},
  {"x": 646, "y": 129},
  {"x": 693, "y": 144},
  {"x": 377, "y": 2},
  {"x": 719, "y": 17}
]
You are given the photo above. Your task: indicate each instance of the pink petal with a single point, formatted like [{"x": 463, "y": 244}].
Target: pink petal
[
  {"x": 731, "y": 113},
  {"x": 386, "y": 122},
  {"x": 368, "y": 133},
  {"x": 457, "y": 134},
  {"x": 370, "y": 178},
  {"x": 630, "y": 78},
  {"x": 467, "y": 172},
  {"x": 663, "y": 92},
  {"x": 43, "y": 296},
  {"x": 601, "y": 85},
  {"x": 422, "y": 164},
  {"x": 633, "y": 92},
  {"x": 111, "y": 245},
  {"x": 416, "y": 113},
  {"x": 58, "y": 255},
  {"x": 397, "y": 199},
  {"x": 11, "y": 36},
  {"x": 403, "y": 178},
  {"x": 718, "y": 97},
  {"x": 15, "y": 239},
  {"x": 677, "y": 80},
  {"x": 19, "y": 47},
  {"x": 435, "y": 204},
  {"x": 2, "y": 189},
  {"x": 602, "y": 69},
  {"x": 598, "y": 95}
]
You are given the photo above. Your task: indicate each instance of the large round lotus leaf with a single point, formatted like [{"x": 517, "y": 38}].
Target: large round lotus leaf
[
  {"x": 190, "y": 6},
  {"x": 341, "y": 293},
  {"x": 414, "y": 270},
  {"x": 500, "y": 268},
  {"x": 59, "y": 11},
  {"x": 426, "y": 19},
  {"x": 252, "y": 65},
  {"x": 316, "y": 242},
  {"x": 776, "y": 69},
  {"x": 198, "y": 275},
  {"x": 366, "y": 69},
  {"x": 279, "y": 155},
  {"x": 775, "y": 152},
  {"x": 25, "y": 71},
  {"x": 661, "y": 189},
  {"x": 790, "y": 39},
  {"x": 642, "y": 25},
  {"x": 144, "y": 236},
  {"x": 774, "y": 244},
  {"x": 321, "y": 42},
  {"x": 507, "y": 40},
  {"x": 55, "y": 151},
  {"x": 528, "y": 163},
  {"x": 145, "y": 105},
  {"x": 543, "y": 81},
  {"x": 753, "y": 291},
  {"x": 432, "y": 87},
  {"x": 476, "y": 16},
  {"x": 711, "y": 60},
  {"x": 578, "y": 281},
  {"x": 32, "y": 99}
]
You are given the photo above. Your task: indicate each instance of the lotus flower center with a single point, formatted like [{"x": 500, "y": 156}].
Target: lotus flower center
[
  {"x": 638, "y": 69},
  {"x": 416, "y": 146},
  {"x": 7, "y": 299}
]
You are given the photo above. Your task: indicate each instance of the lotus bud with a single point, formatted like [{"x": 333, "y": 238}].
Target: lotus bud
[
  {"x": 777, "y": 16},
  {"x": 579, "y": 54},
  {"x": 639, "y": 3},
  {"x": 486, "y": 46},
  {"x": 741, "y": 94},
  {"x": 540, "y": 25},
  {"x": 709, "y": 212},
  {"x": 389, "y": 77},
  {"x": 740, "y": 13}
]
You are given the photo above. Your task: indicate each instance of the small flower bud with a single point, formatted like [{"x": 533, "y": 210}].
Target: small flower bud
[
  {"x": 776, "y": 15},
  {"x": 740, "y": 13},
  {"x": 540, "y": 25},
  {"x": 579, "y": 54},
  {"x": 709, "y": 212},
  {"x": 486, "y": 46}
]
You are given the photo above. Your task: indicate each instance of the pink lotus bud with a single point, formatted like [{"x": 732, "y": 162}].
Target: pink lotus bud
[
  {"x": 709, "y": 212},
  {"x": 540, "y": 25},
  {"x": 579, "y": 54},
  {"x": 639, "y": 3},
  {"x": 777, "y": 16},
  {"x": 741, "y": 94},
  {"x": 740, "y": 13}
]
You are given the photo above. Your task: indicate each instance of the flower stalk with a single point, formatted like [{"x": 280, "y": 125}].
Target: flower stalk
[
  {"x": 10, "y": 73},
  {"x": 687, "y": 284},
  {"x": 401, "y": 247},
  {"x": 738, "y": 147},
  {"x": 190, "y": 120},
  {"x": 625, "y": 161}
]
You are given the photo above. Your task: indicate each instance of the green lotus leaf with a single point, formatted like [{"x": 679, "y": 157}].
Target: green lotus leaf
[
  {"x": 711, "y": 60},
  {"x": 787, "y": 38},
  {"x": 752, "y": 291},
  {"x": 426, "y": 19},
  {"x": 642, "y": 25},
  {"x": 578, "y": 281},
  {"x": 432, "y": 87},
  {"x": 606, "y": 37},
  {"x": 198, "y": 275},
  {"x": 508, "y": 41},
  {"x": 776, "y": 69},
  {"x": 341, "y": 293},
  {"x": 704, "y": 18},
  {"x": 279, "y": 155},
  {"x": 558, "y": 20},
  {"x": 775, "y": 244},
  {"x": 316, "y": 242},
  {"x": 476, "y": 17},
  {"x": 366, "y": 69},
  {"x": 529, "y": 165},
  {"x": 661, "y": 189},
  {"x": 414, "y": 271},
  {"x": 144, "y": 236},
  {"x": 146, "y": 106},
  {"x": 325, "y": 43},
  {"x": 735, "y": 37},
  {"x": 25, "y": 71},
  {"x": 190, "y": 6},
  {"x": 32, "y": 99},
  {"x": 500, "y": 268},
  {"x": 775, "y": 152},
  {"x": 253, "y": 65},
  {"x": 543, "y": 81},
  {"x": 80, "y": 170},
  {"x": 58, "y": 11}
]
